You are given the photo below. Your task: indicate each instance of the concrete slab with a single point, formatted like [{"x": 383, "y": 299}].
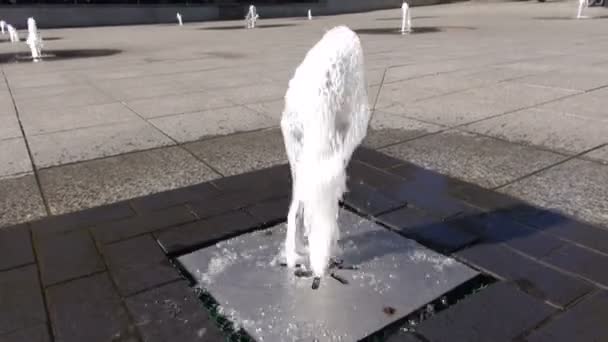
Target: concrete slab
[
  {"x": 178, "y": 104},
  {"x": 569, "y": 79},
  {"x": 93, "y": 183},
  {"x": 600, "y": 155},
  {"x": 240, "y": 153},
  {"x": 95, "y": 142},
  {"x": 20, "y": 200},
  {"x": 10, "y": 127},
  {"x": 14, "y": 158},
  {"x": 79, "y": 97},
  {"x": 474, "y": 158},
  {"x": 576, "y": 187},
  {"x": 64, "y": 119},
  {"x": 395, "y": 276},
  {"x": 386, "y": 129},
  {"x": 193, "y": 126},
  {"x": 590, "y": 105},
  {"x": 271, "y": 109},
  {"x": 550, "y": 129}
]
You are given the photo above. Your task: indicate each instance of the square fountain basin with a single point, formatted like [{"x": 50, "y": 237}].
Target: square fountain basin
[{"x": 395, "y": 277}]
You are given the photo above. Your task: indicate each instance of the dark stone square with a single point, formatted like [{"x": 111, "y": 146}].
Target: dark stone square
[
  {"x": 227, "y": 202},
  {"x": 172, "y": 313},
  {"x": 428, "y": 230},
  {"x": 531, "y": 276},
  {"x": 123, "y": 229},
  {"x": 500, "y": 312},
  {"x": 37, "y": 333},
  {"x": 21, "y": 304},
  {"x": 586, "y": 321},
  {"x": 581, "y": 261},
  {"x": 67, "y": 256},
  {"x": 206, "y": 232},
  {"x": 176, "y": 197},
  {"x": 88, "y": 309},
  {"x": 402, "y": 336},
  {"x": 273, "y": 211},
  {"x": 375, "y": 158},
  {"x": 81, "y": 219},
  {"x": 367, "y": 200},
  {"x": 364, "y": 174},
  {"x": 15, "y": 247},
  {"x": 270, "y": 182},
  {"x": 138, "y": 264}
]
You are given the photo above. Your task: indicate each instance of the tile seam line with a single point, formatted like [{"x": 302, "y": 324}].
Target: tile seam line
[
  {"x": 28, "y": 148},
  {"x": 542, "y": 169}
]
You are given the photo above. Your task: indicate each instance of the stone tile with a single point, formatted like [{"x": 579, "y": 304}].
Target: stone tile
[
  {"x": 240, "y": 153},
  {"x": 365, "y": 174},
  {"x": 428, "y": 230},
  {"x": 123, "y": 229},
  {"x": 590, "y": 105},
  {"x": 263, "y": 92},
  {"x": 550, "y": 129},
  {"x": 580, "y": 261},
  {"x": 14, "y": 159},
  {"x": 39, "y": 333},
  {"x": 581, "y": 196},
  {"x": 81, "y": 219},
  {"x": 600, "y": 155},
  {"x": 272, "y": 109},
  {"x": 97, "y": 182},
  {"x": 171, "y": 198},
  {"x": 15, "y": 247},
  {"x": 368, "y": 200},
  {"x": 81, "y": 96},
  {"x": 401, "y": 336},
  {"x": 67, "y": 256},
  {"x": 473, "y": 158},
  {"x": 22, "y": 303},
  {"x": 94, "y": 142},
  {"x": 178, "y": 104},
  {"x": 96, "y": 305},
  {"x": 531, "y": 276},
  {"x": 261, "y": 184},
  {"x": 205, "y": 232},
  {"x": 178, "y": 316},
  {"x": 10, "y": 127},
  {"x": 570, "y": 78},
  {"x": 386, "y": 129},
  {"x": 21, "y": 200},
  {"x": 494, "y": 314},
  {"x": 223, "y": 121},
  {"x": 272, "y": 211},
  {"x": 374, "y": 158},
  {"x": 68, "y": 118},
  {"x": 138, "y": 264},
  {"x": 583, "y": 322}
]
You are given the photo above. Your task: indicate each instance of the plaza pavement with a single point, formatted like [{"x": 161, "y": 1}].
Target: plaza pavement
[{"x": 510, "y": 96}]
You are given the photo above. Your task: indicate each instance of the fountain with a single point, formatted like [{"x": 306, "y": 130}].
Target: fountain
[
  {"x": 33, "y": 39},
  {"x": 13, "y": 35},
  {"x": 581, "y": 4},
  {"x": 2, "y": 25},
  {"x": 325, "y": 118},
  {"x": 309, "y": 15},
  {"x": 251, "y": 17},
  {"x": 406, "y": 18},
  {"x": 179, "y": 19}
]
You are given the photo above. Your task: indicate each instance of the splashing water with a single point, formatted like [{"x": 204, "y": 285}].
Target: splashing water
[
  {"x": 179, "y": 19},
  {"x": 581, "y": 4},
  {"x": 33, "y": 39},
  {"x": 309, "y": 14},
  {"x": 251, "y": 17},
  {"x": 406, "y": 18},
  {"x": 325, "y": 118},
  {"x": 2, "y": 26},
  {"x": 12, "y": 33}
]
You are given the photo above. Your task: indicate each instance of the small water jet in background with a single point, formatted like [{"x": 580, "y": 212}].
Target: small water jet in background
[
  {"x": 12, "y": 33},
  {"x": 33, "y": 39},
  {"x": 309, "y": 14},
  {"x": 179, "y": 19},
  {"x": 325, "y": 118},
  {"x": 581, "y": 4},
  {"x": 406, "y": 18},
  {"x": 2, "y": 25},
  {"x": 251, "y": 17}
]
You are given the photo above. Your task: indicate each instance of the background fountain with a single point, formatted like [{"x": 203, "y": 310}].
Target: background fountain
[
  {"x": 309, "y": 14},
  {"x": 325, "y": 118},
  {"x": 251, "y": 17},
  {"x": 33, "y": 39},
  {"x": 581, "y": 4},
  {"x": 13, "y": 35},
  {"x": 179, "y": 19},
  {"x": 2, "y": 25},
  {"x": 406, "y": 18}
]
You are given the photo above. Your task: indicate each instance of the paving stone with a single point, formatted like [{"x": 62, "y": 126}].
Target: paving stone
[
  {"x": 21, "y": 299},
  {"x": 81, "y": 219},
  {"x": 585, "y": 321},
  {"x": 138, "y": 264},
  {"x": 38, "y": 333},
  {"x": 375, "y": 158},
  {"x": 531, "y": 276},
  {"x": 580, "y": 261},
  {"x": 176, "y": 104},
  {"x": 88, "y": 309},
  {"x": 15, "y": 247},
  {"x": 67, "y": 256},
  {"x": 270, "y": 211},
  {"x": 428, "y": 230},
  {"x": 20, "y": 200},
  {"x": 172, "y": 313},
  {"x": 175, "y": 197},
  {"x": 123, "y": 229},
  {"x": 494, "y": 314},
  {"x": 205, "y": 232},
  {"x": 386, "y": 129},
  {"x": 368, "y": 200},
  {"x": 365, "y": 174},
  {"x": 273, "y": 179},
  {"x": 14, "y": 159},
  {"x": 403, "y": 337}
]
